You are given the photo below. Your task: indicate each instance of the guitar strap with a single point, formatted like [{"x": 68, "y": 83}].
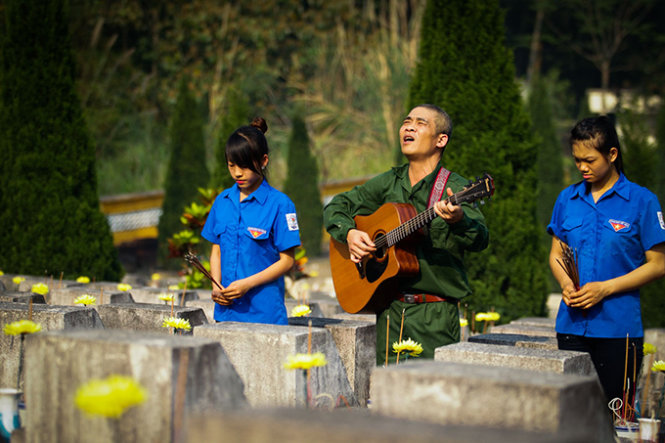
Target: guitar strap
[{"x": 439, "y": 185}]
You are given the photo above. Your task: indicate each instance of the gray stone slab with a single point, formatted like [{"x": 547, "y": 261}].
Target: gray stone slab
[
  {"x": 561, "y": 362},
  {"x": 534, "y": 331},
  {"x": 369, "y": 318},
  {"x": 3, "y": 288},
  {"x": 181, "y": 375},
  {"x": 148, "y": 294},
  {"x": 50, "y": 318},
  {"x": 568, "y": 406},
  {"x": 206, "y": 305},
  {"x": 535, "y": 321},
  {"x": 259, "y": 351},
  {"x": 147, "y": 317},
  {"x": 515, "y": 340},
  {"x": 66, "y": 296},
  {"x": 344, "y": 426},
  {"x": 356, "y": 344},
  {"x": 21, "y": 297}
]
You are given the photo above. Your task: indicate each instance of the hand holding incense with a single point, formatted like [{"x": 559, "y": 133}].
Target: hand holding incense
[{"x": 192, "y": 260}]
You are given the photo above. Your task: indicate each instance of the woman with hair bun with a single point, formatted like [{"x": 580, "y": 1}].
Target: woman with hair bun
[
  {"x": 615, "y": 228},
  {"x": 254, "y": 231}
]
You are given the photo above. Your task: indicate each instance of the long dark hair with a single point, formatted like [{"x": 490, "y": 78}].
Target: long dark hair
[
  {"x": 247, "y": 145},
  {"x": 599, "y": 133}
]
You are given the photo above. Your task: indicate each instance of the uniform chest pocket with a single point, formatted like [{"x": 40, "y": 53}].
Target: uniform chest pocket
[
  {"x": 572, "y": 223},
  {"x": 257, "y": 233}
]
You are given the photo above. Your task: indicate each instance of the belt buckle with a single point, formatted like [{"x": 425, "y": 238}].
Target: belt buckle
[{"x": 409, "y": 298}]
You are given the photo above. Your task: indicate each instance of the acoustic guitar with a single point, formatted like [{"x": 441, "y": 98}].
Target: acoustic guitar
[{"x": 372, "y": 284}]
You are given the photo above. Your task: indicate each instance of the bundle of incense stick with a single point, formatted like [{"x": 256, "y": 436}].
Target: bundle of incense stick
[
  {"x": 569, "y": 264},
  {"x": 192, "y": 260}
]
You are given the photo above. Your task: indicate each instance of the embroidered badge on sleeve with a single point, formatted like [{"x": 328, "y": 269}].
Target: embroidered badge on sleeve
[
  {"x": 618, "y": 225},
  {"x": 292, "y": 221},
  {"x": 660, "y": 219}
]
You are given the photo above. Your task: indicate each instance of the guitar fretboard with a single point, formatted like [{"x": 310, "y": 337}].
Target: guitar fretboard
[{"x": 409, "y": 227}]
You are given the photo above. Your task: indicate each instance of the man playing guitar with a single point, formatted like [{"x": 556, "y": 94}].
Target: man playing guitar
[{"x": 425, "y": 305}]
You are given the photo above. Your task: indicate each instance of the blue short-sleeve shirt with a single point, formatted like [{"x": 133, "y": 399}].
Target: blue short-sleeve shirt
[
  {"x": 251, "y": 234},
  {"x": 610, "y": 237}
]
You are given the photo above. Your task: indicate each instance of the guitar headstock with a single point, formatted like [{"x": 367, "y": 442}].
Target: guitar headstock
[{"x": 483, "y": 187}]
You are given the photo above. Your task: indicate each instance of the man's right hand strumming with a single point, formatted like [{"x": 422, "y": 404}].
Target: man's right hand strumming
[{"x": 360, "y": 245}]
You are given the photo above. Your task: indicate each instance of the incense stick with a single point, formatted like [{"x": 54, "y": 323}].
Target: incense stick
[
  {"x": 570, "y": 264},
  {"x": 387, "y": 335},
  {"x": 401, "y": 328},
  {"x": 192, "y": 260}
]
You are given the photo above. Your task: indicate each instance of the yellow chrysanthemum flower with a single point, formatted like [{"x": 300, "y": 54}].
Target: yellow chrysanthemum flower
[
  {"x": 18, "y": 279},
  {"x": 109, "y": 397},
  {"x": 85, "y": 299},
  {"x": 124, "y": 287},
  {"x": 648, "y": 348},
  {"x": 173, "y": 287},
  {"x": 156, "y": 276},
  {"x": 40, "y": 288},
  {"x": 22, "y": 327},
  {"x": 300, "y": 311},
  {"x": 481, "y": 316},
  {"x": 166, "y": 297},
  {"x": 314, "y": 274},
  {"x": 658, "y": 366},
  {"x": 409, "y": 346},
  {"x": 305, "y": 361},
  {"x": 2, "y": 273},
  {"x": 463, "y": 322},
  {"x": 83, "y": 279},
  {"x": 177, "y": 323},
  {"x": 493, "y": 316}
]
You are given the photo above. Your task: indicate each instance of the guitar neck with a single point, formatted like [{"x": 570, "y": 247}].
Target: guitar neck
[{"x": 410, "y": 226}]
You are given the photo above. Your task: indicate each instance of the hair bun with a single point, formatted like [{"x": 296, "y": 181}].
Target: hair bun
[{"x": 260, "y": 124}]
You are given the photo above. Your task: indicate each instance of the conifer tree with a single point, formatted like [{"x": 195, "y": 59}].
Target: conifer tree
[
  {"x": 302, "y": 186},
  {"x": 236, "y": 115},
  {"x": 465, "y": 68},
  {"x": 187, "y": 170},
  {"x": 549, "y": 161},
  {"x": 50, "y": 222}
]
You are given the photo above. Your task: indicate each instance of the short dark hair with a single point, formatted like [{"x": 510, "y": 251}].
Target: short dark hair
[
  {"x": 443, "y": 123},
  {"x": 598, "y": 133},
  {"x": 247, "y": 145}
]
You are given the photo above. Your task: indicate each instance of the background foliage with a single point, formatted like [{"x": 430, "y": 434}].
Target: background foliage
[{"x": 50, "y": 223}]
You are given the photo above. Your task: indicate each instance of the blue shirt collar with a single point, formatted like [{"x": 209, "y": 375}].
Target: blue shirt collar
[
  {"x": 621, "y": 188},
  {"x": 260, "y": 194}
]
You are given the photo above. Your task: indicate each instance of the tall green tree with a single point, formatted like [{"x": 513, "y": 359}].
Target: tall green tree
[
  {"x": 236, "y": 115},
  {"x": 187, "y": 170},
  {"x": 465, "y": 68},
  {"x": 302, "y": 185},
  {"x": 50, "y": 220},
  {"x": 549, "y": 161},
  {"x": 643, "y": 165}
]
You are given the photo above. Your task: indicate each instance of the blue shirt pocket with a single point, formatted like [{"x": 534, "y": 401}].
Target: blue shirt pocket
[{"x": 571, "y": 231}]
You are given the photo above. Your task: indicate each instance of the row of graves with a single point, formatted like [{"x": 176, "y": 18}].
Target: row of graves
[{"x": 110, "y": 363}]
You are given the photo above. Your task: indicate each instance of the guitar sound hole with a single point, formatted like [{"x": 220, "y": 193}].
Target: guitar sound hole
[{"x": 380, "y": 252}]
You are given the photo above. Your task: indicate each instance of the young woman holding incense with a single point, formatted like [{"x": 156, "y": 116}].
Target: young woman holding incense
[
  {"x": 608, "y": 241},
  {"x": 254, "y": 232}
]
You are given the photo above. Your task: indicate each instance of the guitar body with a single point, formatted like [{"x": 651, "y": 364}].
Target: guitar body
[{"x": 372, "y": 284}]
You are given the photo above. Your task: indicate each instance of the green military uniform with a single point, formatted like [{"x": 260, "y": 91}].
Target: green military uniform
[{"x": 440, "y": 255}]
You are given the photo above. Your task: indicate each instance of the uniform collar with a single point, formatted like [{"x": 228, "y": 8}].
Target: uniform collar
[
  {"x": 402, "y": 172},
  {"x": 621, "y": 188},
  {"x": 260, "y": 194}
]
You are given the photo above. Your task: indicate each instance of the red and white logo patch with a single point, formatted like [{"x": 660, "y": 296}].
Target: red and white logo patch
[
  {"x": 256, "y": 232},
  {"x": 618, "y": 225}
]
